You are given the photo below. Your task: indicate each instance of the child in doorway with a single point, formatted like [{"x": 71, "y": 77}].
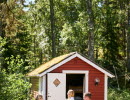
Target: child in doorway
[{"x": 70, "y": 95}]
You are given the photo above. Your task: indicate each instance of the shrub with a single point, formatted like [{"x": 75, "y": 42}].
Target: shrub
[
  {"x": 13, "y": 86},
  {"x": 116, "y": 94}
]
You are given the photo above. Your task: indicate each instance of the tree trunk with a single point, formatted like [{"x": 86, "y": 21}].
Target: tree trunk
[
  {"x": 91, "y": 29},
  {"x": 128, "y": 39},
  {"x": 52, "y": 28}
]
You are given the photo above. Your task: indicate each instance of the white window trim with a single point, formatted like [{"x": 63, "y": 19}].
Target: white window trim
[
  {"x": 79, "y": 72},
  {"x": 70, "y": 58},
  {"x": 105, "y": 87}
]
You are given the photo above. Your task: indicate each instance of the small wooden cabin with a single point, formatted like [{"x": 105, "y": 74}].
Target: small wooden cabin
[{"x": 70, "y": 71}]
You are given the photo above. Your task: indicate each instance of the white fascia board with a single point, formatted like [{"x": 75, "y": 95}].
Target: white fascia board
[
  {"x": 70, "y": 58},
  {"x": 57, "y": 65},
  {"x": 94, "y": 65}
]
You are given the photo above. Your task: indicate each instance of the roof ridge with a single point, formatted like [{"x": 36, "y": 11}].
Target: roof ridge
[{"x": 55, "y": 61}]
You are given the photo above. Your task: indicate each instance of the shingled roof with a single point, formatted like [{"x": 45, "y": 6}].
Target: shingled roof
[
  {"x": 57, "y": 61},
  {"x": 49, "y": 64}
]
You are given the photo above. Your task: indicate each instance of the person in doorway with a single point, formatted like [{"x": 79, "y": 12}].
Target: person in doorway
[
  {"x": 87, "y": 96},
  {"x": 39, "y": 97},
  {"x": 70, "y": 95}
]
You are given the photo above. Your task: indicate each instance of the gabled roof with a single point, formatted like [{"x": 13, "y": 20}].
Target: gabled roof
[
  {"x": 49, "y": 64},
  {"x": 58, "y": 61}
]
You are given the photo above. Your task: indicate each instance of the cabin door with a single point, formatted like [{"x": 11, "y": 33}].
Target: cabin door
[{"x": 56, "y": 86}]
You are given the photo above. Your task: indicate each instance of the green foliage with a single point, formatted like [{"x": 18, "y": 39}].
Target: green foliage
[
  {"x": 13, "y": 86},
  {"x": 72, "y": 31},
  {"x": 16, "y": 64},
  {"x": 14, "y": 44},
  {"x": 26, "y": 39},
  {"x": 115, "y": 94},
  {"x": 2, "y": 43}
]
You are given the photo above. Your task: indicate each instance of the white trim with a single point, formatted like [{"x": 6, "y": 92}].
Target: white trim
[
  {"x": 105, "y": 86},
  {"x": 75, "y": 72},
  {"x": 79, "y": 72},
  {"x": 44, "y": 87},
  {"x": 57, "y": 65},
  {"x": 94, "y": 65},
  {"x": 82, "y": 58},
  {"x": 40, "y": 85}
]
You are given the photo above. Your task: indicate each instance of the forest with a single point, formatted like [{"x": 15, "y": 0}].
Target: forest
[{"x": 35, "y": 31}]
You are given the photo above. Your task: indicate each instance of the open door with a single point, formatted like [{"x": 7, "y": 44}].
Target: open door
[
  {"x": 75, "y": 82},
  {"x": 56, "y": 86}
]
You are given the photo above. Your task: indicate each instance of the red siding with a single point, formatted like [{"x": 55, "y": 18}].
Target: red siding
[{"x": 78, "y": 64}]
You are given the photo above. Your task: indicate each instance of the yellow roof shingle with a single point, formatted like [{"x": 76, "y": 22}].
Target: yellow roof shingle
[{"x": 48, "y": 64}]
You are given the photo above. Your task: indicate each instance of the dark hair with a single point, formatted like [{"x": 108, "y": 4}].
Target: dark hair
[
  {"x": 88, "y": 95},
  {"x": 38, "y": 96}
]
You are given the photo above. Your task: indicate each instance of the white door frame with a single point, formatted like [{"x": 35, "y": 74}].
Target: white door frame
[
  {"x": 79, "y": 72},
  {"x": 42, "y": 86}
]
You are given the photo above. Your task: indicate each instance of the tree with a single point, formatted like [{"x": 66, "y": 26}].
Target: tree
[
  {"x": 128, "y": 37},
  {"x": 14, "y": 30},
  {"x": 91, "y": 24},
  {"x": 52, "y": 20}
]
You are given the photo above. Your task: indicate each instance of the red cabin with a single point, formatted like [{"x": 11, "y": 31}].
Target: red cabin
[{"x": 70, "y": 71}]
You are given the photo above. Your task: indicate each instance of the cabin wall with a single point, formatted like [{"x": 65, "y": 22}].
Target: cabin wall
[
  {"x": 78, "y": 64},
  {"x": 35, "y": 86}
]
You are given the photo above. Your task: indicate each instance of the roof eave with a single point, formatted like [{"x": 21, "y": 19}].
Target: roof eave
[
  {"x": 73, "y": 55},
  {"x": 111, "y": 76},
  {"x": 33, "y": 75}
]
